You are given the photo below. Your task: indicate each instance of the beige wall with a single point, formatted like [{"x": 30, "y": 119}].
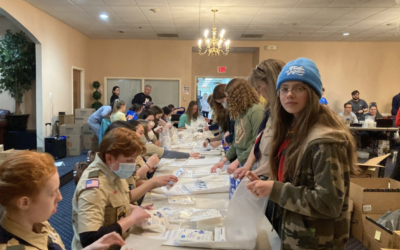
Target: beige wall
[
  {"x": 140, "y": 59},
  {"x": 256, "y": 58},
  {"x": 61, "y": 47},
  {"x": 237, "y": 65},
  {"x": 369, "y": 67}
]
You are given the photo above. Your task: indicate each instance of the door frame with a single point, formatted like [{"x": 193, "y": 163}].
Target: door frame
[{"x": 82, "y": 86}]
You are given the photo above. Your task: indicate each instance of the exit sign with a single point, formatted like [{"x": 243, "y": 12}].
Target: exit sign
[{"x": 221, "y": 69}]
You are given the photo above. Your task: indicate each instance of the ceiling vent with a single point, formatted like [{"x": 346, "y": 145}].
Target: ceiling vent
[
  {"x": 168, "y": 35},
  {"x": 251, "y": 36}
]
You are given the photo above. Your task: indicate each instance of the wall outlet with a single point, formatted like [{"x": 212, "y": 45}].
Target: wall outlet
[{"x": 51, "y": 95}]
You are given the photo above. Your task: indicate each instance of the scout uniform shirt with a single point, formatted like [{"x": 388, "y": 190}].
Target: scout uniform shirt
[
  {"x": 101, "y": 199},
  {"x": 13, "y": 235}
]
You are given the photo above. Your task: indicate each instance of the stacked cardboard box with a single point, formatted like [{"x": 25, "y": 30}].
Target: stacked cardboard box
[
  {"x": 74, "y": 136},
  {"x": 82, "y": 115},
  {"x": 88, "y": 137},
  {"x": 66, "y": 119},
  {"x": 372, "y": 198}
]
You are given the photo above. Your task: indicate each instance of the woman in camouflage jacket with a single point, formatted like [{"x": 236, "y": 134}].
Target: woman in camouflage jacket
[{"x": 312, "y": 156}]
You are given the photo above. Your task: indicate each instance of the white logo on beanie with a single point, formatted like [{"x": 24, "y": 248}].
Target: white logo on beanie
[{"x": 295, "y": 70}]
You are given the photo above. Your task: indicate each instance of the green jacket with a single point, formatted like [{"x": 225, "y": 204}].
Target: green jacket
[
  {"x": 316, "y": 201},
  {"x": 246, "y": 129}
]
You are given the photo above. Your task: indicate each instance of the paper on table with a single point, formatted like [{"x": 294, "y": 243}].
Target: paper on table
[
  {"x": 205, "y": 215},
  {"x": 168, "y": 234},
  {"x": 176, "y": 190},
  {"x": 193, "y": 235},
  {"x": 181, "y": 200},
  {"x": 59, "y": 164},
  {"x": 188, "y": 174},
  {"x": 199, "y": 162},
  {"x": 177, "y": 164},
  {"x": 142, "y": 243}
]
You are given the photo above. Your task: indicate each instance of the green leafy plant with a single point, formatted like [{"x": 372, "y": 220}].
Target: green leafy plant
[
  {"x": 96, "y": 95},
  {"x": 17, "y": 66}
]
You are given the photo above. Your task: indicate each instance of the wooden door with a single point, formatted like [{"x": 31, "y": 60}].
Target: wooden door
[{"x": 77, "y": 89}]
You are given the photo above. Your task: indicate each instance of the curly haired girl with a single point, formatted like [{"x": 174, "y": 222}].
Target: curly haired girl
[{"x": 245, "y": 108}]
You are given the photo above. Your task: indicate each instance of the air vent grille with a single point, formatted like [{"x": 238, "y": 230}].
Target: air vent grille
[
  {"x": 168, "y": 35},
  {"x": 251, "y": 36}
]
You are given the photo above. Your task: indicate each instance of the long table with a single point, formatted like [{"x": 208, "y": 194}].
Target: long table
[{"x": 202, "y": 201}]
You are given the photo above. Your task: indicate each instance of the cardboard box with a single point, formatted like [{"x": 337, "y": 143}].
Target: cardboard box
[
  {"x": 74, "y": 144},
  {"x": 370, "y": 195},
  {"x": 81, "y": 120},
  {"x": 357, "y": 223},
  {"x": 66, "y": 119},
  {"x": 83, "y": 112},
  {"x": 377, "y": 236},
  {"x": 88, "y": 140},
  {"x": 71, "y": 129},
  {"x": 371, "y": 167},
  {"x": 7, "y": 153},
  {"x": 86, "y": 128}
]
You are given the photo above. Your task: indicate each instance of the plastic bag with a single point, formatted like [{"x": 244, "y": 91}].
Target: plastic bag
[
  {"x": 246, "y": 226},
  {"x": 390, "y": 220},
  {"x": 158, "y": 221}
]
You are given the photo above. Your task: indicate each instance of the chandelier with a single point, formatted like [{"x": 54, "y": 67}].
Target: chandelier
[{"x": 214, "y": 45}]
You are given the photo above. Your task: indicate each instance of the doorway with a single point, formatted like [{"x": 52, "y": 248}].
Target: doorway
[
  {"x": 76, "y": 89},
  {"x": 206, "y": 85}
]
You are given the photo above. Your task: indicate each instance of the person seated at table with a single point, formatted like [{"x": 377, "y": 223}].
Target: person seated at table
[
  {"x": 192, "y": 113},
  {"x": 135, "y": 111},
  {"x": 373, "y": 111},
  {"x": 118, "y": 112},
  {"x": 29, "y": 188},
  {"x": 347, "y": 115},
  {"x": 167, "y": 113},
  {"x": 176, "y": 111},
  {"x": 158, "y": 113},
  {"x": 102, "y": 200},
  {"x": 142, "y": 128}
]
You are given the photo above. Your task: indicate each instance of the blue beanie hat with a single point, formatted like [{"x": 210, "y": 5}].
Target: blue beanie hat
[{"x": 303, "y": 70}]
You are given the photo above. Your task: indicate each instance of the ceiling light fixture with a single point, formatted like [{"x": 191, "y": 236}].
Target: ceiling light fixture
[
  {"x": 346, "y": 34},
  {"x": 214, "y": 45},
  {"x": 104, "y": 16}
]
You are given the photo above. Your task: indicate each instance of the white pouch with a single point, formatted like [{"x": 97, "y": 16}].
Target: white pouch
[
  {"x": 244, "y": 224},
  {"x": 158, "y": 221}
]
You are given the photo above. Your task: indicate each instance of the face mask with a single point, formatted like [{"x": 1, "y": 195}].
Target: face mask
[
  {"x": 150, "y": 135},
  {"x": 169, "y": 119},
  {"x": 143, "y": 139},
  {"x": 152, "y": 124},
  {"x": 125, "y": 170},
  {"x": 224, "y": 104}
]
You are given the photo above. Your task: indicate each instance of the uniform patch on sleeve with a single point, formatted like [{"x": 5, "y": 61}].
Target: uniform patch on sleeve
[{"x": 93, "y": 183}]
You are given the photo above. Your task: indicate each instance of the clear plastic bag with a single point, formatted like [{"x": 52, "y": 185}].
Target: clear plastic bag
[{"x": 246, "y": 226}]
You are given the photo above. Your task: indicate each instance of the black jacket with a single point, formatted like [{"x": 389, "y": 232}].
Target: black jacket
[
  {"x": 140, "y": 98},
  {"x": 395, "y": 104}
]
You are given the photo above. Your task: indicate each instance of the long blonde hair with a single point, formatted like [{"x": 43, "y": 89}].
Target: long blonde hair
[
  {"x": 117, "y": 105},
  {"x": 313, "y": 113},
  {"x": 268, "y": 71},
  {"x": 240, "y": 97}
]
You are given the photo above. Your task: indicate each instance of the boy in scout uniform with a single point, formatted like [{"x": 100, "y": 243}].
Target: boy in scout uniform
[{"x": 102, "y": 199}]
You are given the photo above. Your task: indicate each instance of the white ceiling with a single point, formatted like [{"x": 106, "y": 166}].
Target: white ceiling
[{"x": 286, "y": 20}]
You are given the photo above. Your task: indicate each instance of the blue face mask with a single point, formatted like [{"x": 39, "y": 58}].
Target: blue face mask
[{"x": 125, "y": 170}]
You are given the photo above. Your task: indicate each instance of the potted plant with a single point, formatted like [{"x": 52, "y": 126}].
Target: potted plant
[
  {"x": 96, "y": 95},
  {"x": 17, "y": 73}
]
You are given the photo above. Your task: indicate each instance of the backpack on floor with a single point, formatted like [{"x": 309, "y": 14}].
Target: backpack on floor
[{"x": 78, "y": 170}]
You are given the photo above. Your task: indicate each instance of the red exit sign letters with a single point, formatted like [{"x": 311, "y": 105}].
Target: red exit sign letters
[{"x": 221, "y": 69}]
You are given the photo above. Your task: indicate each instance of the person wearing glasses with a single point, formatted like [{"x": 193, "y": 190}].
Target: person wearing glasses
[
  {"x": 29, "y": 194},
  {"x": 245, "y": 109},
  {"x": 312, "y": 157},
  {"x": 263, "y": 79}
]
